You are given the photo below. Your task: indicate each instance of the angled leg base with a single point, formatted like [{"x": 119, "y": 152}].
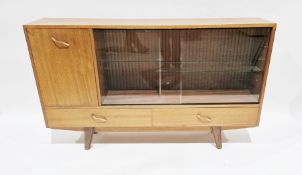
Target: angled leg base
[
  {"x": 88, "y": 133},
  {"x": 216, "y": 131}
]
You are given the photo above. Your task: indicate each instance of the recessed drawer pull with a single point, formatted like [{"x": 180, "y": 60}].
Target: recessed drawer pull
[
  {"x": 203, "y": 118},
  {"x": 60, "y": 44},
  {"x": 99, "y": 118}
]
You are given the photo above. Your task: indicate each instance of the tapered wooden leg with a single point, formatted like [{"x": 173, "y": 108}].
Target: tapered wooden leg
[
  {"x": 88, "y": 133},
  {"x": 216, "y": 131}
]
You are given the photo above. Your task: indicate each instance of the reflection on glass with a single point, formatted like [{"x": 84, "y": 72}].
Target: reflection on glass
[{"x": 190, "y": 66}]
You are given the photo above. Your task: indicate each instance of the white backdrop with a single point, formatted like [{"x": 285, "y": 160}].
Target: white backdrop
[{"x": 27, "y": 147}]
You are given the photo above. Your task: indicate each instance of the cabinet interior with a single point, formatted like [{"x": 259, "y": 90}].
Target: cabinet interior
[{"x": 181, "y": 66}]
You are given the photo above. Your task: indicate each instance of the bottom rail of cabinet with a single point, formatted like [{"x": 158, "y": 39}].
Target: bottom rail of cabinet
[{"x": 152, "y": 129}]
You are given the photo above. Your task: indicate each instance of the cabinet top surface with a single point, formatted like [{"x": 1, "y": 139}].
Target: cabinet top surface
[{"x": 149, "y": 23}]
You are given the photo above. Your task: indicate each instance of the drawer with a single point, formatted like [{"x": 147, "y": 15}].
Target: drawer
[
  {"x": 186, "y": 117},
  {"x": 95, "y": 117}
]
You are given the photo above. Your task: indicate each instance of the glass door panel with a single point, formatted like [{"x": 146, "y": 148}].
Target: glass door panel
[
  {"x": 223, "y": 65},
  {"x": 131, "y": 64},
  {"x": 188, "y": 66}
]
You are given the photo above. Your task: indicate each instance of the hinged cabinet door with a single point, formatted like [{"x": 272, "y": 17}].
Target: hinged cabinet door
[{"x": 64, "y": 66}]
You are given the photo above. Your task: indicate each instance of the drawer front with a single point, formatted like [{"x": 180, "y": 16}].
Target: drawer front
[
  {"x": 64, "y": 66},
  {"x": 65, "y": 118},
  {"x": 186, "y": 117}
]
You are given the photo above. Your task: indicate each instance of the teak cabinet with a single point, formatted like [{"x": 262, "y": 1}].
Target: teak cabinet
[{"x": 150, "y": 75}]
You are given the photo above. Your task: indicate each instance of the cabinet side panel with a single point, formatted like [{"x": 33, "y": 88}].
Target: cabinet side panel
[
  {"x": 266, "y": 68},
  {"x": 65, "y": 74},
  {"x": 35, "y": 75}
]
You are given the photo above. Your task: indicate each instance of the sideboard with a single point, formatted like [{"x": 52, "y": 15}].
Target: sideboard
[{"x": 98, "y": 75}]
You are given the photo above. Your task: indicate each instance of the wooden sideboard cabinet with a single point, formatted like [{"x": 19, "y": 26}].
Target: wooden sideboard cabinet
[{"x": 97, "y": 75}]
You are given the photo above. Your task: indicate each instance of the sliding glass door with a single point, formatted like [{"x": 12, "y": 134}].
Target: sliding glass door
[{"x": 181, "y": 66}]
